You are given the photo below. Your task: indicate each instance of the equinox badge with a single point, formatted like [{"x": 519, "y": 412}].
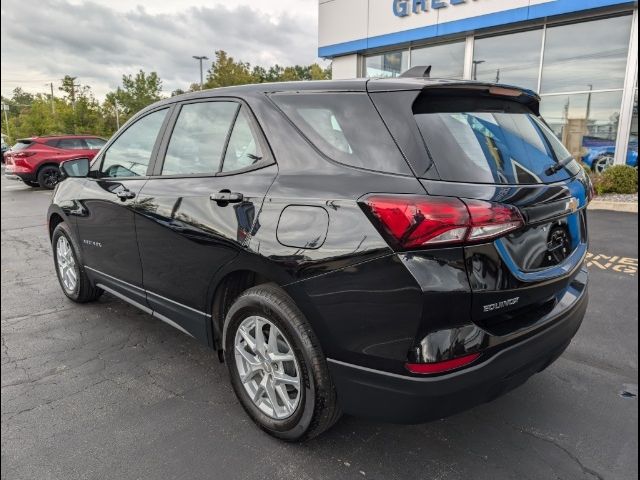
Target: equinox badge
[{"x": 501, "y": 304}]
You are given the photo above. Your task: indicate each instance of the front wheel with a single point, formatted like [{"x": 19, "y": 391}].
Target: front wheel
[
  {"x": 71, "y": 273},
  {"x": 603, "y": 162},
  {"x": 276, "y": 365},
  {"x": 49, "y": 176}
]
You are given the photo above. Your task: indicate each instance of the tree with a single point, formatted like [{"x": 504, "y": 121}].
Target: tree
[
  {"x": 136, "y": 92},
  {"x": 225, "y": 72}
]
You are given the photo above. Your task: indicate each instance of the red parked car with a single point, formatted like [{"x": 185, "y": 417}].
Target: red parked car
[{"x": 35, "y": 160}]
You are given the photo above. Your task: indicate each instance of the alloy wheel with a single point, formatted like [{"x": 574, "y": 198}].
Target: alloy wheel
[
  {"x": 602, "y": 163},
  {"x": 268, "y": 368},
  {"x": 51, "y": 178},
  {"x": 66, "y": 264}
]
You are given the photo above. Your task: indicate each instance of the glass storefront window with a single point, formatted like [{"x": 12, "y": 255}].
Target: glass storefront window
[
  {"x": 513, "y": 59},
  {"x": 447, "y": 61},
  {"x": 586, "y": 123},
  {"x": 632, "y": 149},
  {"x": 586, "y": 56},
  {"x": 389, "y": 64}
]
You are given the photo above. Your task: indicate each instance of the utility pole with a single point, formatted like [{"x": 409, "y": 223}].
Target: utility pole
[
  {"x": 498, "y": 76},
  {"x": 115, "y": 106},
  {"x": 200, "y": 59},
  {"x": 53, "y": 106},
  {"x": 5, "y": 107},
  {"x": 72, "y": 93}
]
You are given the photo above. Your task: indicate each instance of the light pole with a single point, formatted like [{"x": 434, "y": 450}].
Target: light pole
[
  {"x": 200, "y": 59},
  {"x": 475, "y": 68}
]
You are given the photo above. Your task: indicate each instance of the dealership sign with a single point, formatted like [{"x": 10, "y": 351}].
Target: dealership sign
[{"x": 403, "y": 8}]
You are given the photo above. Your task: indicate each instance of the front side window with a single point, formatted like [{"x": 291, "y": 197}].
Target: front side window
[
  {"x": 243, "y": 149},
  {"x": 346, "y": 128},
  {"x": 199, "y": 137},
  {"x": 129, "y": 155}
]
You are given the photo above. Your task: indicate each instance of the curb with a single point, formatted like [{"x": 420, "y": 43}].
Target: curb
[{"x": 631, "y": 207}]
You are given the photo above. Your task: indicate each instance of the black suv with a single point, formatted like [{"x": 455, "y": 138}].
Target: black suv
[{"x": 400, "y": 249}]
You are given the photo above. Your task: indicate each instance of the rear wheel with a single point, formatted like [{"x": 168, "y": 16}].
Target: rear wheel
[
  {"x": 49, "y": 176},
  {"x": 71, "y": 274},
  {"x": 276, "y": 365}
]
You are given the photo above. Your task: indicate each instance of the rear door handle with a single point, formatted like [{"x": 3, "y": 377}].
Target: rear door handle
[
  {"x": 226, "y": 196},
  {"x": 125, "y": 195}
]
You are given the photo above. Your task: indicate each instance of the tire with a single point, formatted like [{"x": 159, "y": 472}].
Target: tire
[
  {"x": 317, "y": 407},
  {"x": 31, "y": 184},
  {"x": 48, "y": 176},
  {"x": 83, "y": 291}
]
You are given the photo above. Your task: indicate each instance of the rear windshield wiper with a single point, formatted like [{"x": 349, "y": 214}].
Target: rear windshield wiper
[{"x": 559, "y": 166}]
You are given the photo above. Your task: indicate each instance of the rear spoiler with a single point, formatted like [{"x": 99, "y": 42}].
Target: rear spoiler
[{"x": 457, "y": 88}]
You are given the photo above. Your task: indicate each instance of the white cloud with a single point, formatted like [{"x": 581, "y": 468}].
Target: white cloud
[{"x": 100, "y": 41}]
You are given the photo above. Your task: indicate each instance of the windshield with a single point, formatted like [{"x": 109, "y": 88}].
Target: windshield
[{"x": 494, "y": 147}]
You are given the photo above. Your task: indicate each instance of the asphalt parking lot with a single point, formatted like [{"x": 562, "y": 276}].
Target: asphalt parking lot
[{"x": 105, "y": 391}]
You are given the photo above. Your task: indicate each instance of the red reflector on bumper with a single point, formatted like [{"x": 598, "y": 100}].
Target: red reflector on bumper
[{"x": 444, "y": 366}]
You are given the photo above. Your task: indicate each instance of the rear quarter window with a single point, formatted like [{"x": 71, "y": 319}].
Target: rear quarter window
[{"x": 345, "y": 127}]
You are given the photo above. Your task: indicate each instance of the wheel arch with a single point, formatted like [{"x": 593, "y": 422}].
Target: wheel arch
[
  {"x": 55, "y": 216},
  {"x": 231, "y": 282},
  {"x": 46, "y": 163}
]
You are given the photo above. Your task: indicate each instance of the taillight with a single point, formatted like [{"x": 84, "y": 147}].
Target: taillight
[
  {"x": 23, "y": 154},
  {"x": 411, "y": 221},
  {"x": 491, "y": 220}
]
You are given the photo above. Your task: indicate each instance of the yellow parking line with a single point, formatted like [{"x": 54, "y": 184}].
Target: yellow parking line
[{"x": 613, "y": 263}]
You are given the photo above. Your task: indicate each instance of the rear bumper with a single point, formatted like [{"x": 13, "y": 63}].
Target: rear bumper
[
  {"x": 413, "y": 399},
  {"x": 13, "y": 172}
]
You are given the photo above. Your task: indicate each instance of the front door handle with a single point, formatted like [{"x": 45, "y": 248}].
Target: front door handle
[
  {"x": 224, "y": 197},
  {"x": 125, "y": 195}
]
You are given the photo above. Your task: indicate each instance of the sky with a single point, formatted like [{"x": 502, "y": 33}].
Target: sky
[{"x": 98, "y": 41}]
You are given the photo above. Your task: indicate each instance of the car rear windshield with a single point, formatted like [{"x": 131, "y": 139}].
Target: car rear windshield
[
  {"x": 345, "y": 127},
  {"x": 21, "y": 145},
  {"x": 491, "y": 142}
]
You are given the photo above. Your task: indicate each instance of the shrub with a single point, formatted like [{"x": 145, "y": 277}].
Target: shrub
[{"x": 616, "y": 179}]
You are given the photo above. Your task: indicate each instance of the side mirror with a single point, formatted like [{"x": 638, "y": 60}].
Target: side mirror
[{"x": 76, "y": 167}]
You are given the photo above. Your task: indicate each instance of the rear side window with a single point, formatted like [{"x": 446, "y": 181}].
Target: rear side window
[
  {"x": 346, "y": 128},
  {"x": 198, "y": 138},
  {"x": 243, "y": 149},
  {"x": 491, "y": 145},
  {"x": 71, "y": 144}
]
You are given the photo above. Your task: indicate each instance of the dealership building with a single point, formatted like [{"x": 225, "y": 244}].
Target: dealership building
[{"x": 581, "y": 56}]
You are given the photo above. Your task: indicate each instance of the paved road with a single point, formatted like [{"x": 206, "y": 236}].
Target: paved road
[{"x": 104, "y": 391}]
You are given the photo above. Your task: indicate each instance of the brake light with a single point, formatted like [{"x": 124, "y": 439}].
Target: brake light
[
  {"x": 444, "y": 366},
  {"x": 23, "y": 154},
  {"x": 490, "y": 220},
  {"x": 411, "y": 221}
]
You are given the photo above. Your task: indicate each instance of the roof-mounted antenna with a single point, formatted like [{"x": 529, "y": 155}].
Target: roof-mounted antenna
[{"x": 419, "y": 71}]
